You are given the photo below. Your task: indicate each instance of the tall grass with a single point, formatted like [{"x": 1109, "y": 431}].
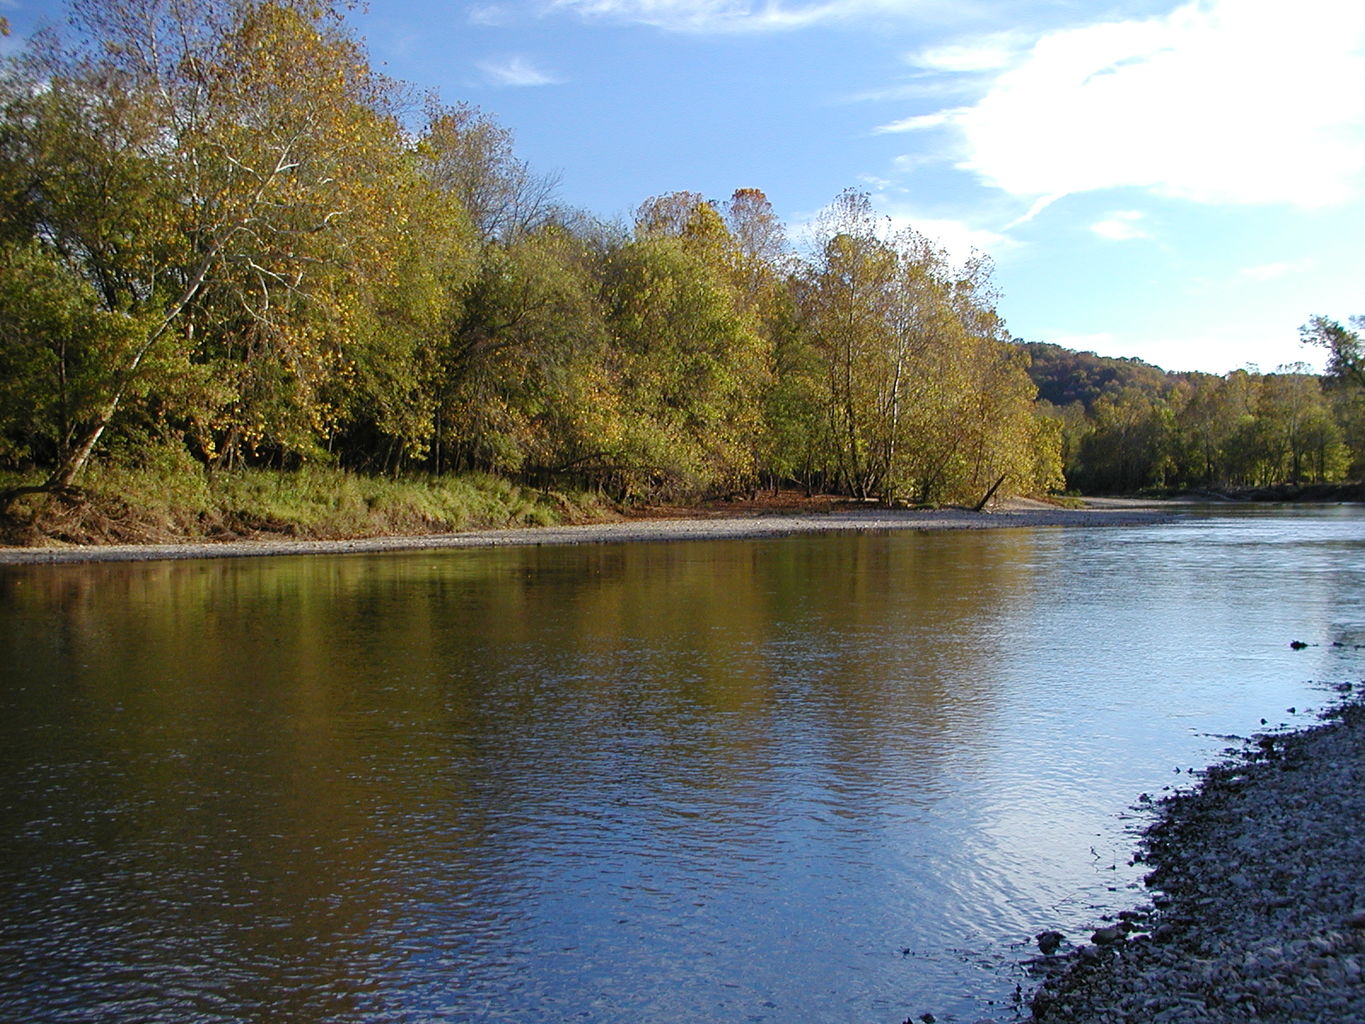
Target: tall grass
[{"x": 172, "y": 498}]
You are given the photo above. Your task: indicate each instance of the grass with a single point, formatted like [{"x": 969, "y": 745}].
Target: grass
[{"x": 173, "y": 499}]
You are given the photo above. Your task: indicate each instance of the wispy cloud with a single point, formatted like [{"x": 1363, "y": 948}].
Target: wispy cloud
[
  {"x": 489, "y": 15},
  {"x": 1121, "y": 226},
  {"x": 1219, "y": 102},
  {"x": 735, "y": 16},
  {"x": 1270, "y": 271},
  {"x": 992, "y": 52},
  {"x": 515, "y": 70},
  {"x": 959, "y": 239},
  {"x": 920, "y": 122}
]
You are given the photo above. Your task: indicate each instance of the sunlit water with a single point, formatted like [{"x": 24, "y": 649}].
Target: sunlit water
[{"x": 816, "y": 779}]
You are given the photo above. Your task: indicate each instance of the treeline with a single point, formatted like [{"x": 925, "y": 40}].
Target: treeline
[
  {"x": 1127, "y": 425},
  {"x": 224, "y": 234}
]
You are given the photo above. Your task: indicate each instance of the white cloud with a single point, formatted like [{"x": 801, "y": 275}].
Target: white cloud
[
  {"x": 514, "y": 71},
  {"x": 720, "y": 16},
  {"x": 985, "y": 53},
  {"x": 920, "y": 122},
  {"x": 1228, "y": 101},
  {"x": 958, "y": 238},
  {"x": 1121, "y": 226},
  {"x": 492, "y": 15},
  {"x": 874, "y": 182},
  {"x": 1270, "y": 271}
]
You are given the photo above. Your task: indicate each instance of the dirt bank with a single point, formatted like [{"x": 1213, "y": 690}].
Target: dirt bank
[{"x": 720, "y": 521}]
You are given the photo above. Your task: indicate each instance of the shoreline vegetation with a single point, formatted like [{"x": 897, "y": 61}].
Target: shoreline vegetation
[
  {"x": 234, "y": 245},
  {"x": 330, "y": 512},
  {"x": 142, "y": 514},
  {"x": 1258, "y": 904}
]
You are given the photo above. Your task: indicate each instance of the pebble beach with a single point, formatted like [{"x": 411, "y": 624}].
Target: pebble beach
[
  {"x": 680, "y": 527},
  {"x": 1258, "y": 896}
]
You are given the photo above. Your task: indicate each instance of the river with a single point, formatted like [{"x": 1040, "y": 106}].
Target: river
[{"x": 814, "y": 779}]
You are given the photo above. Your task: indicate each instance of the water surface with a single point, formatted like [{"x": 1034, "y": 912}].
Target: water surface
[{"x": 834, "y": 778}]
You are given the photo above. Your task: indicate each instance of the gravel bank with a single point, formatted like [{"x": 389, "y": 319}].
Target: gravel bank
[
  {"x": 1018, "y": 514},
  {"x": 1259, "y": 886}
]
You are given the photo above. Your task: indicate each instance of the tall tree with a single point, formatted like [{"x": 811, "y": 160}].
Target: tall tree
[
  {"x": 251, "y": 149},
  {"x": 1345, "y": 349},
  {"x": 520, "y": 378},
  {"x": 849, "y": 301},
  {"x": 688, "y": 362},
  {"x": 470, "y": 156}
]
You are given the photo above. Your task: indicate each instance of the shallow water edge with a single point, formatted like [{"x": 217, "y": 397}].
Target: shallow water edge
[{"x": 1258, "y": 910}]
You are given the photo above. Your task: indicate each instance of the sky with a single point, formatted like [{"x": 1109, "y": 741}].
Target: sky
[{"x": 1179, "y": 182}]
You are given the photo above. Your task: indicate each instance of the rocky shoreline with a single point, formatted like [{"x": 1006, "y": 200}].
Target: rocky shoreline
[{"x": 1258, "y": 909}]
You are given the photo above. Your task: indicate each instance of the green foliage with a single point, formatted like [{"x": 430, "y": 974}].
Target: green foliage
[
  {"x": 318, "y": 501},
  {"x": 59, "y": 354},
  {"x": 159, "y": 493},
  {"x": 1200, "y": 431},
  {"x": 519, "y": 374},
  {"x": 921, "y": 397},
  {"x": 221, "y": 249},
  {"x": 688, "y": 366}
]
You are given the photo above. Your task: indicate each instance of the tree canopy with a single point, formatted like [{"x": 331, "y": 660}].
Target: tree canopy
[{"x": 224, "y": 233}]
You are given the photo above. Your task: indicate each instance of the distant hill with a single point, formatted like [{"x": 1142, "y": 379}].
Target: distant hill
[{"x": 1063, "y": 375}]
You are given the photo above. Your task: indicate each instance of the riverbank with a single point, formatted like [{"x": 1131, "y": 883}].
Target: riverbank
[
  {"x": 712, "y": 523},
  {"x": 1259, "y": 900}
]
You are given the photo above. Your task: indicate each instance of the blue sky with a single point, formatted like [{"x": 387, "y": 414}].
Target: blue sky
[{"x": 1181, "y": 182}]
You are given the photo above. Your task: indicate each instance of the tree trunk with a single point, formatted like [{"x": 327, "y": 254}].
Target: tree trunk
[{"x": 989, "y": 494}]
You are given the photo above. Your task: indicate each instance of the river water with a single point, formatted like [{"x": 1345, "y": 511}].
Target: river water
[{"x": 816, "y": 779}]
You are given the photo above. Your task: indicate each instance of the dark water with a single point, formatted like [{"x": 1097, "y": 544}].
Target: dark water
[{"x": 813, "y": 779}]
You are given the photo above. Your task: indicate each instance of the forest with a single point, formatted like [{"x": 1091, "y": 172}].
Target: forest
[
  {"x": 228, "y": 243},
  {"x": 1128, "y": 426}
]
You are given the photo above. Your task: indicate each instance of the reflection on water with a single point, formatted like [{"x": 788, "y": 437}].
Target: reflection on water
[{"x": 819, "y": 779}]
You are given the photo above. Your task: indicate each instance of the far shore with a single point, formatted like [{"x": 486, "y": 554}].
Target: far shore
[{"x": 673, "y": 525}]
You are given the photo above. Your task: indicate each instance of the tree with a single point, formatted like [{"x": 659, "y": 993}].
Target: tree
[
  {"x": 252, "y": 151},
  {"x": 848, "y": 300},
  {"x": 469, "y": 156},
  {"x": 520, "y": 380},
  {"x": 922, "y": 395},
  {"x": 1345, "y": 349},
  {"x": 688, "y": 363},
  {"x": 1298, "y": 438},
  {"x": 1122, "y": 451},
  {"x": 55, "y": 340}
]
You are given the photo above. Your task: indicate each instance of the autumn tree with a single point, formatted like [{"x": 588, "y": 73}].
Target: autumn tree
[
  {"x": 253, "y": 154},
  {"x": 848, "y": 305},
  {"x": 1345, "y": 349},
  {"x": 1298, "y": 439},
  {"x": 1346, "y": 372},
  {"x": 923, "y": 397},
  {"x": 520, "y": 386},
  {"x": 689, "y": 361},
  {"x": 470, "y": 157}
]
